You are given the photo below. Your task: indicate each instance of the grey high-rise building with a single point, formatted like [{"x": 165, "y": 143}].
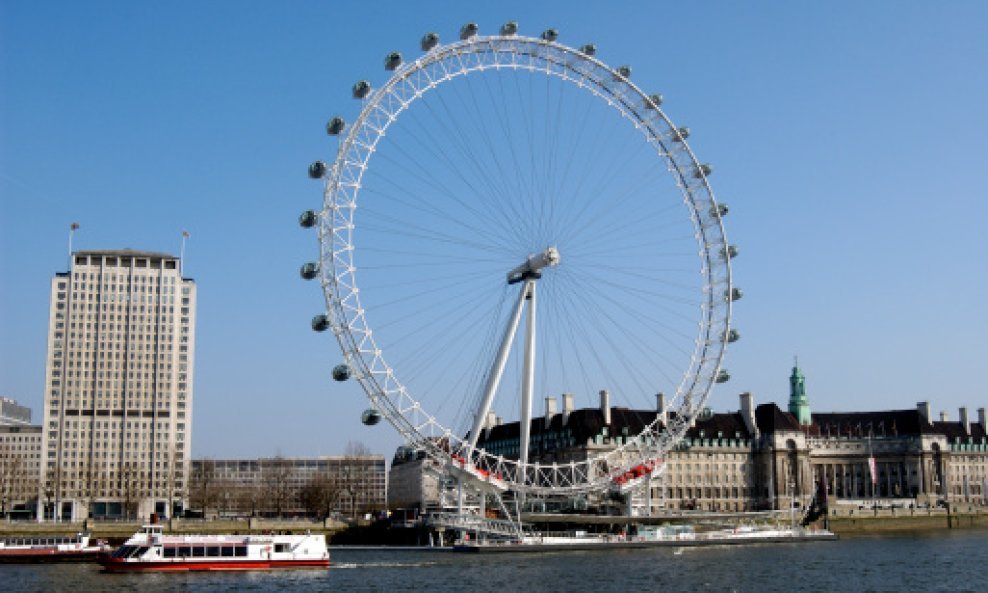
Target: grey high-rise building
[
  {"x": 13, "y": 414},
  {"x": 118, "y": 386}
]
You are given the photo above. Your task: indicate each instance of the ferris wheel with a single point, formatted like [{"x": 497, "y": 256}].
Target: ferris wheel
[{"x": 501, "y": 187}]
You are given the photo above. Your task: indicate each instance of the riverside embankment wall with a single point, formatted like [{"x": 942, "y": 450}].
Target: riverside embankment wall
[
  {"x": 123, "y": 529},
  {"x": 863, "y": 523}
]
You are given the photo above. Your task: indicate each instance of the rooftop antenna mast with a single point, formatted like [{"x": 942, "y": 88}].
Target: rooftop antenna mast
[
  {"x": 72, "y": 229},
  {"x": 181, "y": 255}
]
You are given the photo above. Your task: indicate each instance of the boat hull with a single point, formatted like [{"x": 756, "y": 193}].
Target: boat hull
[
  {"x": 114, "y": 565},
  {"x": 604, "y": 544},
  {"x": 31, "y": 556}
]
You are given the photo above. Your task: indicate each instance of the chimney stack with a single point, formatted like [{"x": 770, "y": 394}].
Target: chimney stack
[
  {"x": 485, "y": 430},
  {"x": 567, "y": 407},
  {"x": 748, "y": 414},
  {"x": 924, "y": 411},
  {"x": 943, "y": 416},
  {"x": 981, "y": 420},
  {"x": 550, "y": 410},
  {"x": 605, "y": 406},
  {"x": 965, "y": 422},
  {"x": 660, "y": 408}
]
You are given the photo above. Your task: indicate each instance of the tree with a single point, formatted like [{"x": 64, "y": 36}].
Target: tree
[
  {"x": 86, "y": 479},
  {"x": 203, "y": 486},
  {"x": 276, "y": 478},
  {"x": 354, "y": 476},
  {"x": 18, "y": 483},
  {"x": 247, "y": 498},
  {"x": 129, "y": 485},
  {"x": 10, "y": 477},
  {"x": 175, "y": 486},
  {"x": 51, "y": 489},
  {"x": 356, "y": 449},
  {"x": 320, "y": 495}
]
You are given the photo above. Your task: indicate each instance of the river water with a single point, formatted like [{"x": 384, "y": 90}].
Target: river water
[{"x": 935, "y": 561}]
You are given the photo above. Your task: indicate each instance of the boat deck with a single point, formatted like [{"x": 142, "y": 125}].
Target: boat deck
[{"x": 555, "y": 545}]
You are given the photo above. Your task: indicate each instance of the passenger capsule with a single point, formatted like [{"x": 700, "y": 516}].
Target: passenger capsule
[
  {"x": 429, "y": 41},
  {"x": 654, "y": 101},
  {"x": 317, "y": 169},
  {"x": 702, "y": 171},
  {"x": 370, "y": 417},
  {"x": 729, "y": 252},
  {"x": 361, "y": 89},
  {"x": 341, "y": 372},
  {"x": 732, "y": 336},
  {"x": 550, "y": 35},
  {"x": 623, "y": 72},
  {"x": 509, "y": 28},
  {"x": 308, "y": 219},
  {"x": 719, "y": 210},
  {"x": 335, "y": 126},
  {"x": 309, "y": 270},
  {"x": 589, "y": 49},
  {"x": 723, "y": 376},
  {"x": 735, "y": 294},
  {"x": 320, "y": 323},
  {"x": 468, "y": 30},
  {"x": 392, "y": 61},
  {"x": 680, "y": 134}
]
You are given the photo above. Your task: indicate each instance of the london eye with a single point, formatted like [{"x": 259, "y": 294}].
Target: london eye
[{"x": 508, "y": 218}]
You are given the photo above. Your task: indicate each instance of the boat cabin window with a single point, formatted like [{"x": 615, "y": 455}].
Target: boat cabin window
[
  {"x": 227, "y": 551},
  {"x": 170, "y": 552},
  {"x": 130, "y": 551},
  {"x": 281, "y": 547},
  {"x": 198, "y": 551},
  {"x": 213, "y": 551},
  {"x": 240, "y": 551},
  {"x": 184, "y": 552}
]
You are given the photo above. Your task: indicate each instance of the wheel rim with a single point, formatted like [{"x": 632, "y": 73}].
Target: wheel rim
[{"x": 339, "y": 240}]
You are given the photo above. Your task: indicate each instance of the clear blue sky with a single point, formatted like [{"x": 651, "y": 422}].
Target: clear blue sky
[{"x": 849, "y": 138}]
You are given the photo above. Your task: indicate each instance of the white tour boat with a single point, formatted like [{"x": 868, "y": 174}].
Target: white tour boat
[
  {"x": 51, "y": 548},
  {"x": 151, "y": 550}
]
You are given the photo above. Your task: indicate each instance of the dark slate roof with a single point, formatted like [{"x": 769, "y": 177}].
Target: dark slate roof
[
  {"x": 955, "y": 430},
  {"x": 770, "y": 418},
  {"x": 586, "y": 423},
  {"x": 583, "y": 424},
  {"x": 883, "y": 423},
  {"x": 727, "y": 423}
]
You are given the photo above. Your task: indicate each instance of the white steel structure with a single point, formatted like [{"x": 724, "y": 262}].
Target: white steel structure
[{"x": 520, "y": 155}]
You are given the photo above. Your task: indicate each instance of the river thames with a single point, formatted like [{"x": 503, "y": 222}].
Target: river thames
[{"x": 917, "y": 562}]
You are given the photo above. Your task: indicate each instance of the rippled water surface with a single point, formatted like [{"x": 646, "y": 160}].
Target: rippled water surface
[{"x": 941, "y": 561}]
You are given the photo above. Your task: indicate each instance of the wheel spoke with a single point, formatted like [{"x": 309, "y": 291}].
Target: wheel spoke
[{"x": 492, "y": 166}]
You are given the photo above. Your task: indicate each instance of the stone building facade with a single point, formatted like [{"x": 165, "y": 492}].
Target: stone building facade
[
  {"x": 762, "y": 457},
  {"x": 118, "y": 386},
  {"x": 350, "y": 485},
  {"x": 20, "y": 469}
]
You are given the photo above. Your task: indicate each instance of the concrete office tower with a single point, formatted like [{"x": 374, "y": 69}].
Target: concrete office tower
[{"x": 118, "y": 387}]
